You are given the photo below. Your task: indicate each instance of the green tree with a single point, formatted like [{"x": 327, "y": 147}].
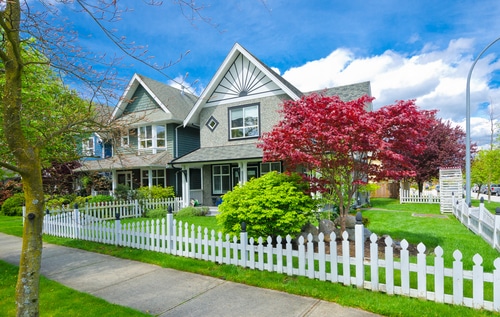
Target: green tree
[
  {"x": 32, "y": 131},
  {"x": 272, "y": 205},
  {"x": 485, "y": 169}
]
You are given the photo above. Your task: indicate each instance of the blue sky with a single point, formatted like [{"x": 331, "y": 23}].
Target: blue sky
[{"x": 407, "y": 49}]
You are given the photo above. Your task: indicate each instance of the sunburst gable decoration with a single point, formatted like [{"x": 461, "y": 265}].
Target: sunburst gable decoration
[{"x": 242, "y": 79}]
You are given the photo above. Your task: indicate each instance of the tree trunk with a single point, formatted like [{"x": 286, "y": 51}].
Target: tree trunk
[
  {"x": 28, "y": 160},
  {"x": 27, "y": 288}
]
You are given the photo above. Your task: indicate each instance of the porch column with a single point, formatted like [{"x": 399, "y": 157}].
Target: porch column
[
  {"x": 243, "y": 172},
  {"x": 185, "y": 186}
]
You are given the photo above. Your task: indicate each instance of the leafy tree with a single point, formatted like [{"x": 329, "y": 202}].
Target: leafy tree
[
  {"x": 485, "y": 168},
  {"x": 344, "y": 145},
  {"x": 39, "y": 114},
  {"x": 445, "y": 147},
  {"x": 271, "y": 205}
]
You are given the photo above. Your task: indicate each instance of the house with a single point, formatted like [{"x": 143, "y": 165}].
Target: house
[
  {"x": 147, "y": 132},
  {"x": 239, "y": 104}
]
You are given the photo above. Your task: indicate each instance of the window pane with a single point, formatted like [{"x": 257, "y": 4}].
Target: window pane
[
  {"x": 160, "y": 132},
  {"x": 160, "y": 143},
  {"x": 252, "y": 131},
  {"x": 225, "y": 169},
  {"x": 251, "y": 115},
  {"x": 236, "y": 133},
  {"x": 217, "y": 169},
  {"x": 237, "y": 118},
  {"x": 225, "y": 183}
]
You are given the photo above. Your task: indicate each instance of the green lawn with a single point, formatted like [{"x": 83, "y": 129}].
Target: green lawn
[{"x": 386, "y": 217}]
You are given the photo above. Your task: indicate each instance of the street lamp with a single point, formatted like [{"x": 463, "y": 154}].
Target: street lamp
[{"x": 467, "y": 125}]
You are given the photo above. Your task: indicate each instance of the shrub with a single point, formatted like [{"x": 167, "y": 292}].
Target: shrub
[
  {"x": 100, "y": 198},
  {"x": 156, "y": 213},
  {"x": 191, "y": 211},
  {"x": 155, "y": 192},
  {"x": 122, "y": 192},
  {"x": 274, "y": 204},
  {"x": 13, "y": 206}
]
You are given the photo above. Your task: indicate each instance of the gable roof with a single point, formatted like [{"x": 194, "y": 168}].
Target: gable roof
[
  {"x": 254, "y": 68},
  {"x": 171, "y": 101}
]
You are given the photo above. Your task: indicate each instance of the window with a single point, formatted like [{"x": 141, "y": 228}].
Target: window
[
  {"x": 152, "y": 136},
  {"x": 244, "y": 122},
  {"x": 220, "y": 179},
  {"x": 269, "y": 167},
  {"x": 125, "y": 139},
  {"x": 88, "y": 147},
  {"x": 157, "y": 177}
]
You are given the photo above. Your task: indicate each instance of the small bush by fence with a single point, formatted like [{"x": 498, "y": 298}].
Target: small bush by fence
[{"x": 388, "y": 273}]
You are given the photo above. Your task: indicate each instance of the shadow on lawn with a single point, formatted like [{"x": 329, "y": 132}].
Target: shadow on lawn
[{"x": 429, "y": 241}]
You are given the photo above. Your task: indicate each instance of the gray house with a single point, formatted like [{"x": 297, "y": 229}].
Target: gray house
[
  {"x": 239, "y": 104},
  {"x": 149, "y": 133}
]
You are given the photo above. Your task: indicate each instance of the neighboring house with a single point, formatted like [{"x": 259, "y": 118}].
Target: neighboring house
[
  {"x": 95, "y": 147},
  {"x": 150, "y": 133},
  {"x": 239, "y": 104}
]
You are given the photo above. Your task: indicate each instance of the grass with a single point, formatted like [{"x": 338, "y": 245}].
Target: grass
[
  {"x": 57, "y": 300},
  {"x": 386, "y": 217}
]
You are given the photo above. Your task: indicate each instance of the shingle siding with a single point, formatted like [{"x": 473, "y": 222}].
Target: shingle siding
[{"x": 141, "y": 101}]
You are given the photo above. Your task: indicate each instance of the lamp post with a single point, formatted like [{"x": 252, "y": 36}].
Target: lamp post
[{"x": 467, "y": 125}]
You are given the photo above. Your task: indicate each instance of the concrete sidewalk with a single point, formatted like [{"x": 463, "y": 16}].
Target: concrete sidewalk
[{"x": 166, "y": 292}]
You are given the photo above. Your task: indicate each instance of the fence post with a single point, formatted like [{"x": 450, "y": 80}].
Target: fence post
[
  {"x": 243, "y": 243},
  {"x": 360, "y": 250},
  {"x": 496, "y": 229},
  {"x": 170, "y": 228},
  {"x": 76, "y": 218},
  {"x": 480, "y": 217},
  {"x": 118, "y": 229}
]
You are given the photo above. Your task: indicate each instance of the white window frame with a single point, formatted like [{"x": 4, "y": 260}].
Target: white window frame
[
  {"x": 245, "y": 128},
  {"x": 151, "y": 141},
  {"x": 88, "y": 146},
  {"x": 269, "y": 167},
  {"x": 150, "y": 177}
]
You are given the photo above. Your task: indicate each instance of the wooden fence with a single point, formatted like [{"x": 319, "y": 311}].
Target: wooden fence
[
  {"x": 125, "y": 209},
  {"x": 412, "y": 196},
  {"x": 412, "y": 277},
  {"x": 479, "y": 220}
]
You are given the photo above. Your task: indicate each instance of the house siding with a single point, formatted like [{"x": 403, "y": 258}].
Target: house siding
[
  {"x": 269, "y": 116},
  {"x": 189, "y": 140},
  {"x": 141, "y": 101}
]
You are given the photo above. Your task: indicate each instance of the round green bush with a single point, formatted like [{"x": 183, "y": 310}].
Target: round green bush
[
  {"x": 13, "y": 206},
  {"x": 272, "y": 205}
]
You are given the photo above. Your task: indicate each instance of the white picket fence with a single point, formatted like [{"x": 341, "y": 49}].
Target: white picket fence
[
  {"x": 123, "y": 209},
  {"x": 401, "y": 276},
  {"x": 412, "y": 196},
  {"x": 479, "y": 220}
]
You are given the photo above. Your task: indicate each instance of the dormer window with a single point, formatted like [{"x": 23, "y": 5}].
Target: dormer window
[{"x": 244, "y": 122}]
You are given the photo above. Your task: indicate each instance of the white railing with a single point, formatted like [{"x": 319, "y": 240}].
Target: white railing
[
  {"x": 123, "y": 209},
  {"x": 479, "y": 220},
  {"x": 389, "y": 274},
  {"x": 412, "y": 196}
]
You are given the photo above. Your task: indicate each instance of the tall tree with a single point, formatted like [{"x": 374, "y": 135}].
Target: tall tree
[
  {"x": 28, "y": 141},
  {"x": 445, "y": 147},
  {"x": 485, "y": 168},
  {"x": 344, "y": 145}
]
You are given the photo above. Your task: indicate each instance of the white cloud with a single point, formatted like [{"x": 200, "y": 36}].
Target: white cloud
[{"x": 435, "y": 77}]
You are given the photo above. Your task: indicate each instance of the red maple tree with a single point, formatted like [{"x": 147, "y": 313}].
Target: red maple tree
[{"x": 343, "y": 145}]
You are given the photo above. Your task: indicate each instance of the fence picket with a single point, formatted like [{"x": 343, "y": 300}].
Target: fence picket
[{"x": 182, "y": 239}]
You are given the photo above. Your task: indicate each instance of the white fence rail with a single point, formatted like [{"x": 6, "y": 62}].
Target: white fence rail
[
  {"x": 389, "y": 274},
  {"x": 479, "y": 220},
  {"x": 412, "y": 196},
  {"x": 123, "y": 209}
]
